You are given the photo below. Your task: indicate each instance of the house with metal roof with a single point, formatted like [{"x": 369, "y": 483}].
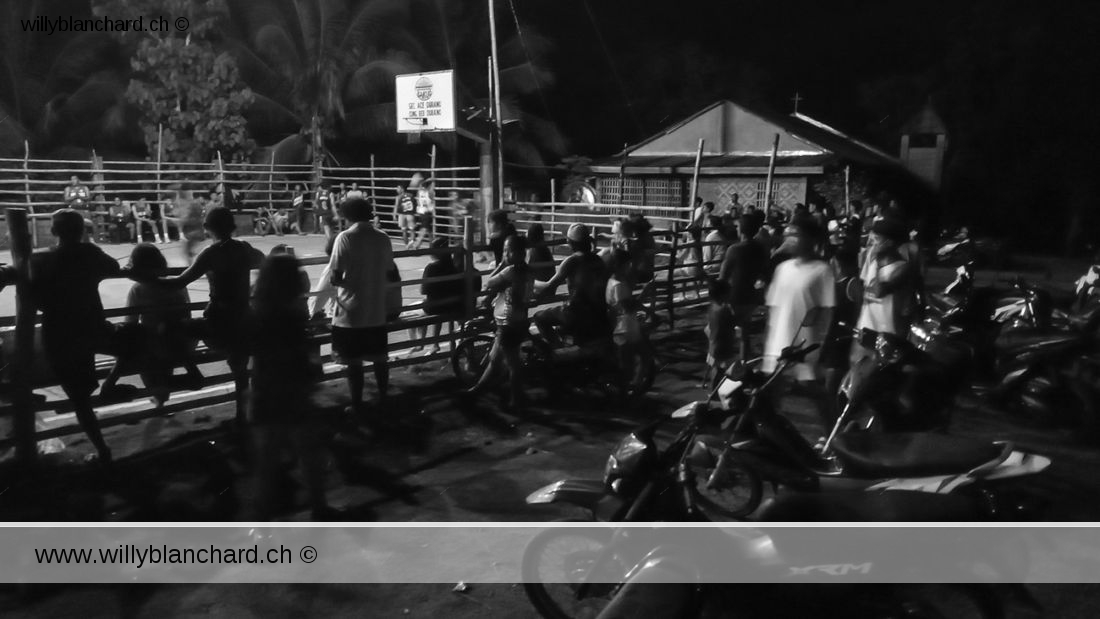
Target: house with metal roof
[{"x": 737, "y": 145}]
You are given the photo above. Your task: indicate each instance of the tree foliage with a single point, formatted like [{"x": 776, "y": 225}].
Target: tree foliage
[{"x": 181, "y": 82}]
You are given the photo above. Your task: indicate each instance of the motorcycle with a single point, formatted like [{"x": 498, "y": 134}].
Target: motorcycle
[
  {"x": 962, "y": 248},
  {"x": 765, "y": 446},
  {"x": 578, "y": 572},
  {"x": 754, "y": 443},
  {"x": 707, "y": 578},
  {"x": 905, "y": 384},
  {"x": 570, "y": 363}
]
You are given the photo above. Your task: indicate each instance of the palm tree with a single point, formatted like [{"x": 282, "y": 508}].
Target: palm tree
[
  {"x": 321, "y": 65},
  {"x": 54, "y": 96},
  {"x": 322, "y": 68},
  {"x": 460, "y": 35}
]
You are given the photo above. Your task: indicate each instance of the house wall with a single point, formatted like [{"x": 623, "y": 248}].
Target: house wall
[{"x": 674, "y": 192}]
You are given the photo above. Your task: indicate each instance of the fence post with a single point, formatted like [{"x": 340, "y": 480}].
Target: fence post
[
  {"x": 271, "y": 184},
  {"x": 374, "y": 195},
  {"x": 672, "y": 275},
  {"x": 27, "y": 190},
  {"x": 553, "y": 207},
  {"x": 469, "y": 270},
  {"x": 431, "y": 175},
  {"x": 156, "y": 187},
  {"x": 23, "y": 418}
]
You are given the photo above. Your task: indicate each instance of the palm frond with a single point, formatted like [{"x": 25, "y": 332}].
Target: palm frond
[
  {"x": 372, "y": 21},
  {"x": 525, "y": 79},
  {"x": 376, "y": 77},
  {"x": 275, "y": 45},
  {"x": 376, "y": 121}
]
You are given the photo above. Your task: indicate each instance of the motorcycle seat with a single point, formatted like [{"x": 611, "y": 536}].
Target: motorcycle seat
[
  {"x": 910, "y": 454},
  {"x": 1086, "y": 321},
  {"x": 1036, "y": 341},
  {"x": 878, "y": 506}
]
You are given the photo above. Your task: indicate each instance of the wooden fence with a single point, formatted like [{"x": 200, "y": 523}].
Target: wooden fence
[
  {"x": 38, "y": 185},
  {"x": 679, "y": 282}
]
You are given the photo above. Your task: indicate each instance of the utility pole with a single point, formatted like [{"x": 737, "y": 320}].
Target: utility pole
[{"x": 496, "y": 137}]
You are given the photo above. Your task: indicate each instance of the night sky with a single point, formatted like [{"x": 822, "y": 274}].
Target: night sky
[{"x": 1015, "y": 82}]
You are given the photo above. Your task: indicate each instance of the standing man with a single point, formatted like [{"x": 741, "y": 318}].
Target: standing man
[
  {"x": 325, "y": 216},
  {"x": 405, "y": 208},
  {"x": 800, "y": 285},
  {"x": 299, "y": 203},
  {"x": 362, "y": 270},
  {"x": 736, "y": 208},
  {"x": 888, "y": 290},
  {"x": 742, "y": 267}
]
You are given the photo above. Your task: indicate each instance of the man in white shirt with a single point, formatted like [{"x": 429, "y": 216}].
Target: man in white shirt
[
  {"x": 363, "y": 271},
  {"x": 801, "y": 285}
]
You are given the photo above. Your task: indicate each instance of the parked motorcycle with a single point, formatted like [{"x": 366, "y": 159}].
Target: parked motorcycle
[
  {"x": 588, "y": 571},
  {"x": 765, "y": 446},
  {"x": 710, "y": 577},
  {"x": 905, "y": 384}
]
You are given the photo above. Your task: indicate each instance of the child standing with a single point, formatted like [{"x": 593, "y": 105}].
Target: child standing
[
  {"x": 623, "y": 307},
  {"x": 284, "y": 375},
  {"x": 513, "y": 288},
  {"x": 721, "y": 348}
]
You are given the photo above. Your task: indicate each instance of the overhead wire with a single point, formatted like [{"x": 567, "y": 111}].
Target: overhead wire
[
  {"x": 530, "y": 62},
  {"x": 614, "y": 71}
]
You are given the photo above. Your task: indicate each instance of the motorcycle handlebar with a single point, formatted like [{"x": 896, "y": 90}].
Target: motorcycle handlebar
[{"x": 797, "y": 355}]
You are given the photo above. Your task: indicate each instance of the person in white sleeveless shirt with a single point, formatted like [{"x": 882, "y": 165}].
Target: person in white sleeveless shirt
[{"x": 887, "y": 283}]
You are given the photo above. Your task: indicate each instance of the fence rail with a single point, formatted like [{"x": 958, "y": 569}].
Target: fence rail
[
  {"x": 678, "y": 283},
  {"x": 38, "y": 185}
]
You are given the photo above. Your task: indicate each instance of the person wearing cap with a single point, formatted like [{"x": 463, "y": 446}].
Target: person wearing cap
[
  {"x": 887, "y": 281},
  {"x": 584, "y": 314}
]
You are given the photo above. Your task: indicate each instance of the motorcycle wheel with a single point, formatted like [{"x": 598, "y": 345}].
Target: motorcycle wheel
[
  {"x": 736, "y": 492},
  {"x": 538, "y": 364},
  {"x": 557, "y": 561},
  {"x": 470, "y": 358},
  {"x": 944, "y": 601}
]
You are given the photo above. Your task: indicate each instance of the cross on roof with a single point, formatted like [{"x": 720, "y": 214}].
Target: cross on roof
[{"x": 796, "y": 98}]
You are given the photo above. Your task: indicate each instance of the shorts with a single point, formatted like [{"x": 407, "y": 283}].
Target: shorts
[
  {"x": 369, "y": 343},
  {"x": 328, "y": 220},
  {"x": 571, "y": 322},
  {"x": 408, "y": 221},
  {"x": 513, "y": 335},
  {"x": 424, "y": 221},
  {"x": 227, "y": 330},
  {"x": 72, "y": 357}
]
